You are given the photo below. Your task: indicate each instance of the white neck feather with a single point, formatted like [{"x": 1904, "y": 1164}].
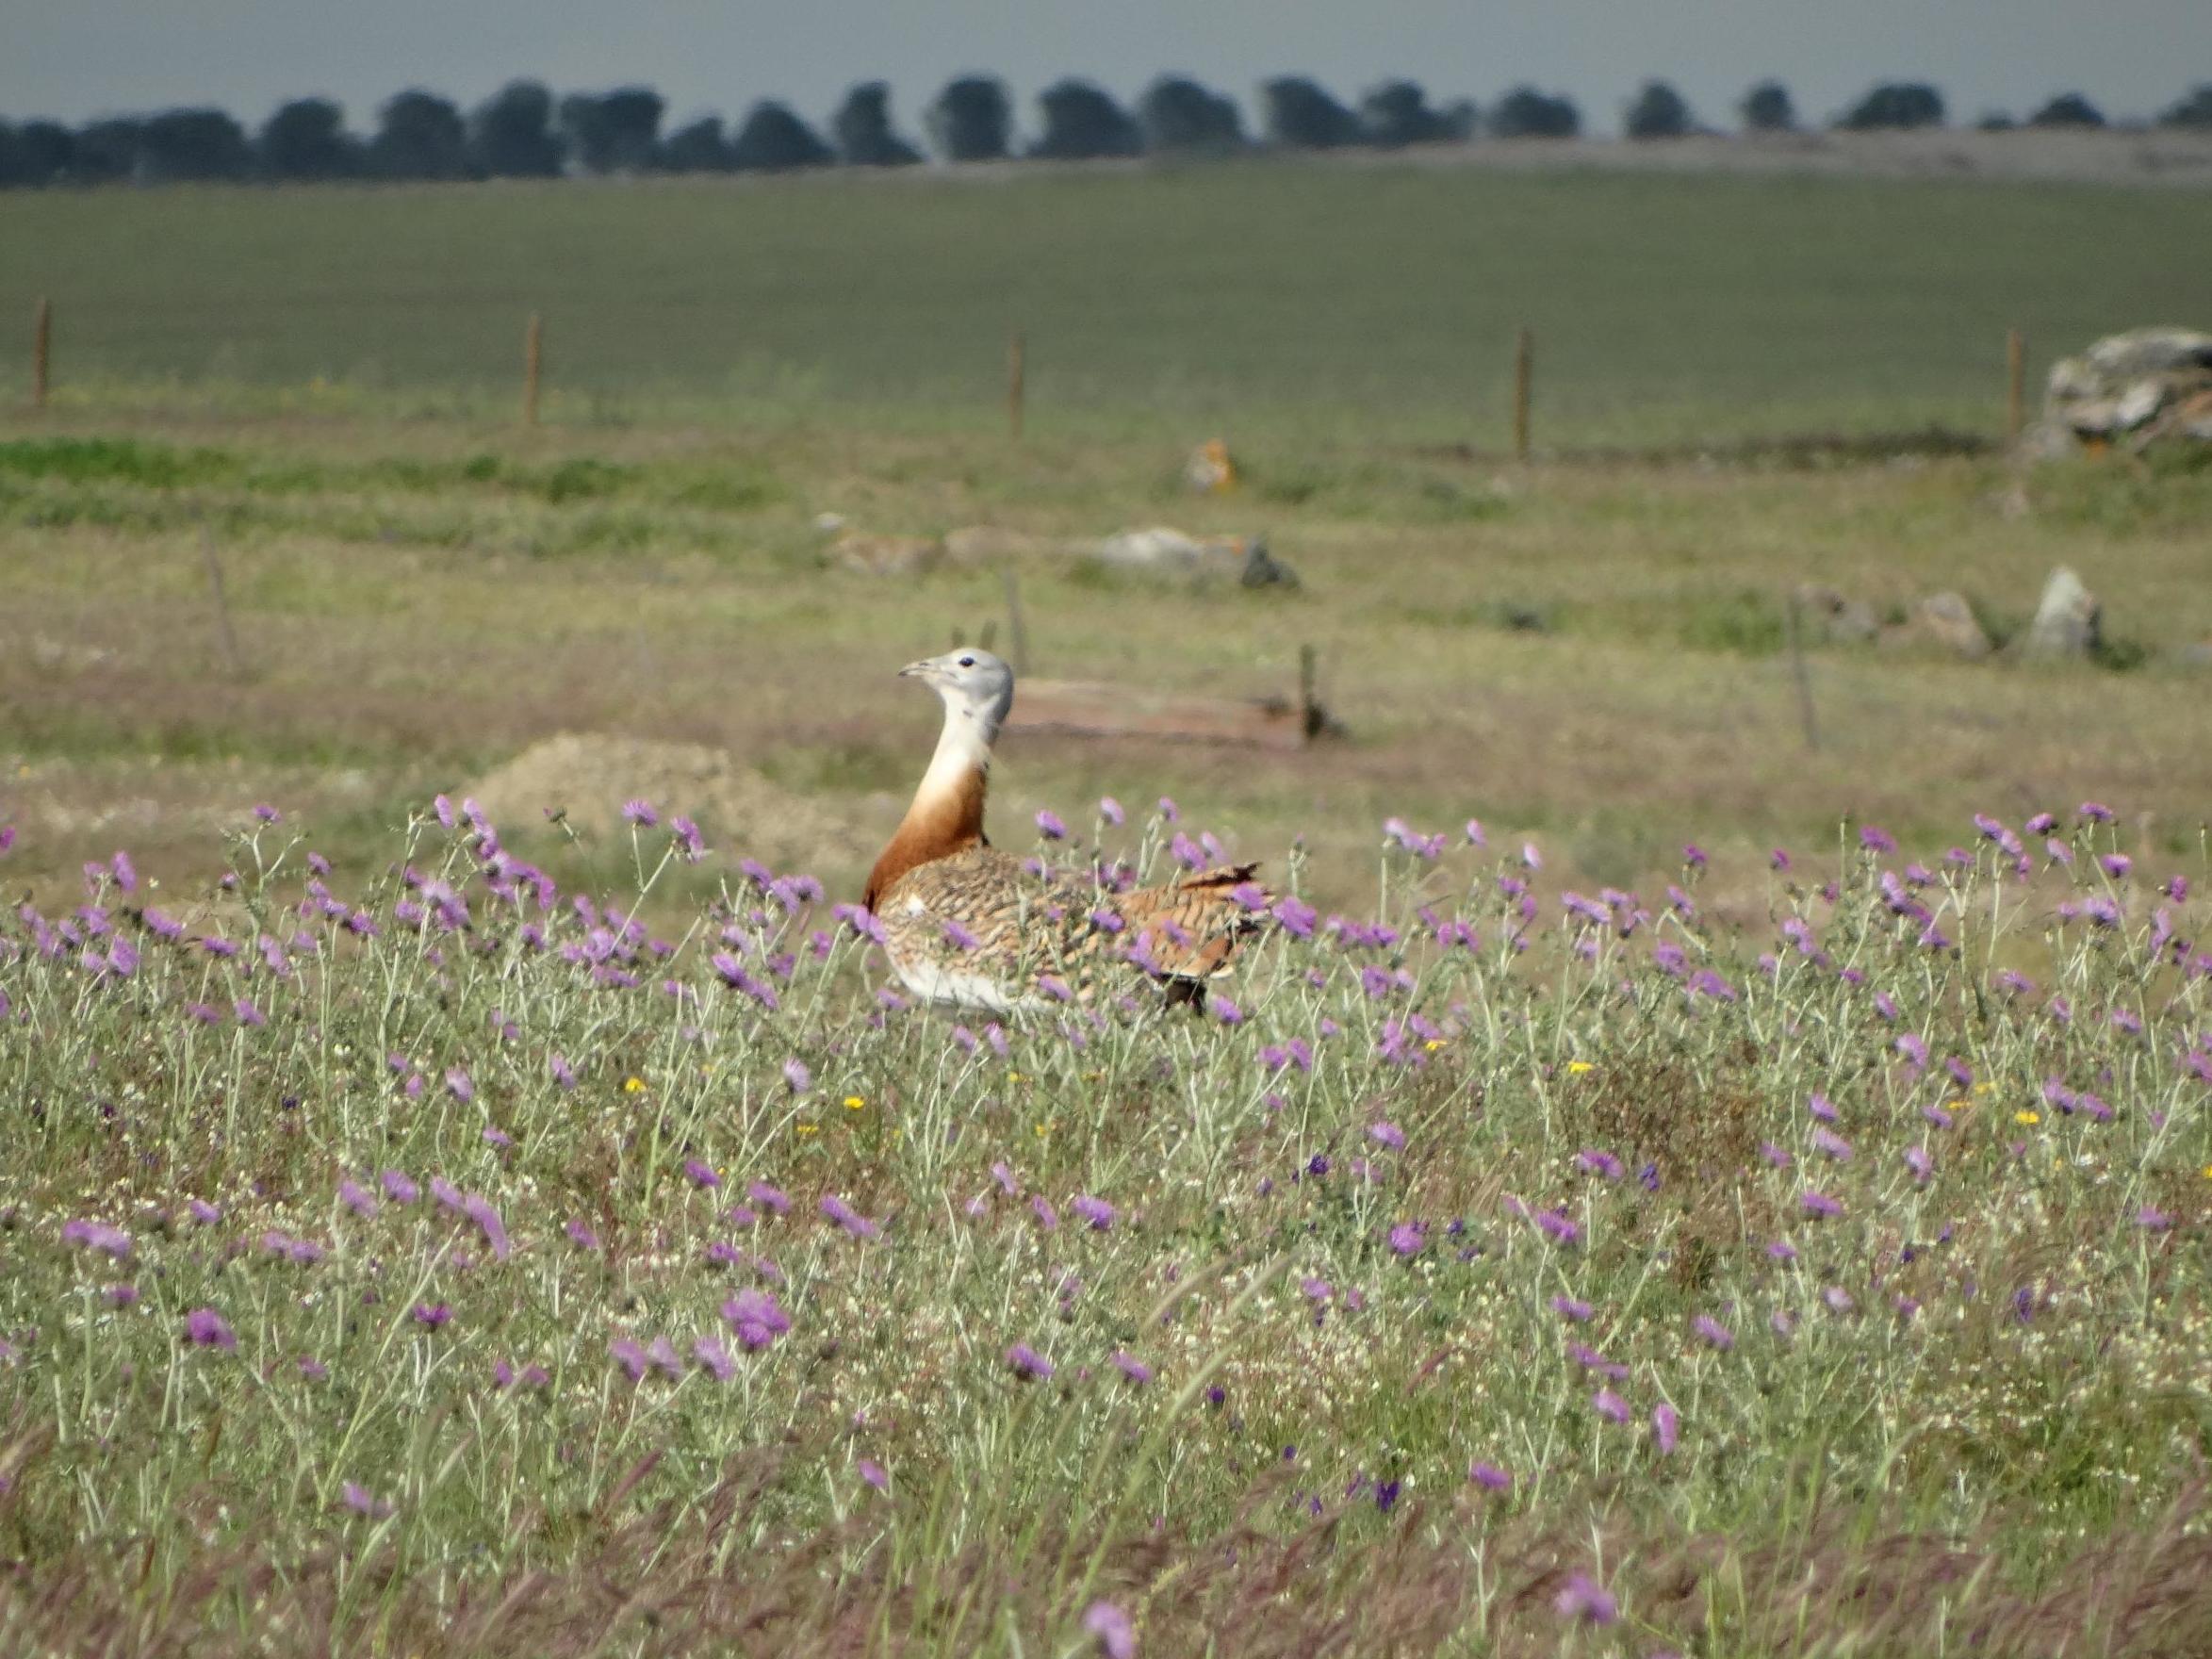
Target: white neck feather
[{"x": 962, "y": 748}]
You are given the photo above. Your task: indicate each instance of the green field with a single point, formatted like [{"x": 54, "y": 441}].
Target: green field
[
  {"x": 1346, "y": 303},
  {"x": 1808, "y": 1256}
]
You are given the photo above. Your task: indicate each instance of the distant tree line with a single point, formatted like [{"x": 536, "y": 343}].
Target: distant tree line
[{"x": 524, "y": 131}]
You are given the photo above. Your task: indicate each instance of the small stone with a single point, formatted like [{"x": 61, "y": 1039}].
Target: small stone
[{"x": 2068, "y": 620}]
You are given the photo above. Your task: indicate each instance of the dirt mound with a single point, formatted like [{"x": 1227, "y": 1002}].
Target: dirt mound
[{"x": 588, "y": 777}]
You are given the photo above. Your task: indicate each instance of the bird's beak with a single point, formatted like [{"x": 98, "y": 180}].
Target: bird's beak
[{"x": 922, "y": 670}]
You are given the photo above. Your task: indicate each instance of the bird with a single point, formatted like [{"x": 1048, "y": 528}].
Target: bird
[{"x": 967, "y": 926}]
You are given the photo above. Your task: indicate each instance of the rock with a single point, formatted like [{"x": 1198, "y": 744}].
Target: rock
[
  {"x": 2068, "y": 620},
  {"x": 1161, "y": 548},
  {"x": 1210, "y": 471},
  {"x": 2127, "y": 382},
  {"x": 1833, "y": 618},
  {"x": 1262, "y": 569},
  {"x": 1946, "y": 619},
  {"x": 1941, "y": 621}
]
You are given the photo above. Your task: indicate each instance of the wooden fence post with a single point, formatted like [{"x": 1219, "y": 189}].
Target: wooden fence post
[
  {"x": 2015, "y": 385},
  {"x": 534, "y": 342},
  {"x": 1524, "y": 369},
  {"x": 41, "y": 351},
  {"x": 1017, "y": 348}
]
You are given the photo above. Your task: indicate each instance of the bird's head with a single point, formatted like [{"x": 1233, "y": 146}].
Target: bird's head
[{"x": 975, "y": 686}]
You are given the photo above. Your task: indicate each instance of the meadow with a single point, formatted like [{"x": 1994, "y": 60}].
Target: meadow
[{"x": 1667, "y": 1181}]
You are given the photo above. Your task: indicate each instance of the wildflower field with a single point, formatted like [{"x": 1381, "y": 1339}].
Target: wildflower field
[{"x": 416, "y": 1256}]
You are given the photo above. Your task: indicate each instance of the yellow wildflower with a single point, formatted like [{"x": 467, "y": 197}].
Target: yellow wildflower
[
  {"x": 808, "y": 1128},
  {"x": 1434, "y": 1044},
  {"x": 633, "y": 1086},
  {"x": 1575, "y": 1068},
  {"x": 853, "y": 1103},
  {"x": 2027, "y": 1117},
  {"x": 1985, "y": 1087}
]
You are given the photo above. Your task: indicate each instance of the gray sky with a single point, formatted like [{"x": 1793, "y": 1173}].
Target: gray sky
[{"x": 73, "y": 59}]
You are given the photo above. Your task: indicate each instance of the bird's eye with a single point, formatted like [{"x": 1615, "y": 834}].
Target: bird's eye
[{"x": 967, "y": 662}]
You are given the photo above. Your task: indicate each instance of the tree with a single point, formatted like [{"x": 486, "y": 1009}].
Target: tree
[
  {"x": 614, "y": 132},
  {"x": 1996, "y": 121},
  {"x": 2194, "y": 111},
  {"x": 1767, "y": 108},
  {"x": 1082, "y": 122},
  {"x": 37, "y": 153},
  {"x": 1461, "y": 119},
  {"x": 418, "y": 135},
  {"x": 2068, "y": 109},
  {"x": 511, "y": 133},
  {"x": 697, "y": 148},
  {"x": 862, "y": 130},
  {"x": 193, "y": 144},
  {"x": 1526, "y": 113},
  {"x": 1179, "y": 116},
  {"x": 1903, "y": 104},
  {"x": 1397, "y": 113},
  {"x": 306, "y": 139},
  {"x": 1659, "y": 113},
  {"x": 971, "y": 120},
  {"x": 1299, "y": 114},
  {"x": 773, "y": 140},
  {"x": 108, "y": 151}
]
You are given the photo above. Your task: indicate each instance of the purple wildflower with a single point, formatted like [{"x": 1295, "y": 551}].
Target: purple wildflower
[
  {"x": 1489, "y": 1477},
  {"x": 1025, "y": 1362},
  {"x": 358, "y": 1499},
  {"x": 1117, "y": 1637},
  {"x": 207, "y": 1328},
  {"x": 757, "y": 1318},
  {"x": 1666, "y": 1427},
  {"x": 1050, "y": 827},
  {"x": 1387, "y": 1134},
  {"x": 797, "y": 1074},
  {"x": 1132, "y": 1367},
  {"x": 1407, "y": 1238},
  {"x": 1097, "y": 1211},
  {"x": 701, "y": 1174},
  {"x": 1611, "y": 1406},
  {"x": 858, "y": 1226},
  {"x": 1819, "y": 1204},
  {"x": 1573, "y": 1308},
  {"x": 1583, "y": 1599},
  {"x": 1714, "y": 1333},
  {"x": 874, "y": 1473}
]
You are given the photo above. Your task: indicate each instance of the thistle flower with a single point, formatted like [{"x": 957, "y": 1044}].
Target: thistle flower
[
  {"x": 1666, "y": 1426},
  {"x": 757, "y": 1318},
  {"x": 1387, "y": 1134},
  {"x": 1490, "y": 1477},
  {"x": 358, "y": 1499},
  {"x": 769, "y": 1198},
  {"x": 1050, "y": 827},
  {"x": 1026, "y": 1363},
  {"x": 1407, "y": 1238},
  {"x": 630, "y": 1356},
  {"x": 481, "y": 1210},
  {"x": 1097, "y": 1211},
  {"x": 1117, "y": 1637},
  {"x": 1573, "y": 1308},
  {"x": 858, "y": 1226},
  {"x": 1598, "y": 1162},
  {"x": 1611, "y": 1406},
  {"x": 435, "y": 1315},
  {"x": 640, "y": 813},
  {"x": 1714, "y": 1332},
  {"x": 1132, "y": 1368},
  {"x": 207, "y": 1328},
  {"x": 580, "y": 1236},
  {"x": 97, "y": 1235},
  {"x": 701, "y": 1174},
  {"x": 460, "y": 1085},
  {"x": 1583, "y": 1599},
  {"x": 796, "y": 1076},
  {"x": 1819, "y": 1204}
]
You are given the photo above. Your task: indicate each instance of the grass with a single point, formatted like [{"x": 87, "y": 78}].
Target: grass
[
  {"x": 1262, "y": 300},
  {"x": 408, "y": 1272},
  {"x": 1959, "y": 1413}
]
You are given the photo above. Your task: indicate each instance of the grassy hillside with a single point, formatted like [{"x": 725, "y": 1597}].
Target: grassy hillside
[{"x": 1359, "y": 302}]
